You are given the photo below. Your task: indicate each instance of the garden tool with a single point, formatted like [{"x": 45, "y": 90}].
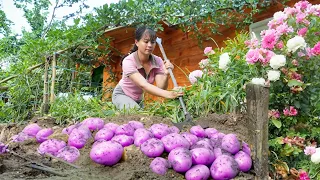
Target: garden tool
[{"x": 188, "y": 119}]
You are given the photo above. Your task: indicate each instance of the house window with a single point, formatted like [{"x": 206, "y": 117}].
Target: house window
[{"x": 257, "y": 27}]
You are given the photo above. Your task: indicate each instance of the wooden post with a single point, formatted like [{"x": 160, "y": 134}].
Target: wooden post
[
  {"x": 45, "y": 104},
  {"x": 258, "y": 104},
  {"x": 53, "y": 77}
]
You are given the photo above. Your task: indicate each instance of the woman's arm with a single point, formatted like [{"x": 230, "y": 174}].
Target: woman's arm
[
  {"x": 162, "y": 81},
  {"x": 140, "y": 81}
]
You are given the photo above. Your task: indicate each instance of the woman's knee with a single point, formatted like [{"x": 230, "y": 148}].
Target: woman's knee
[{"x": 124, "y": 102}]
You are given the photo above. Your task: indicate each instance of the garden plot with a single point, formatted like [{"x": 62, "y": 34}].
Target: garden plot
[{"x": 133, "y": 165}]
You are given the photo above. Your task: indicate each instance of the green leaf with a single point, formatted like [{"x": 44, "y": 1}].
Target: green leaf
[
  {"x": 294, "y": 82},
  {"x": 277, "y": 123}
]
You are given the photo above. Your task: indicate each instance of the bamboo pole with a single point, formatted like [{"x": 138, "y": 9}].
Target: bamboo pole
[
  {"x": 3, "y": 88},
  {"x": 45, "y": 105},
  {"x": 53, "y": 77},
  {"x": 8, "y": 79}
]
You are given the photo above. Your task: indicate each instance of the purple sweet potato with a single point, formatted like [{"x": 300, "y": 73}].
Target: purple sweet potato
[{"x": 224, "y": 167}]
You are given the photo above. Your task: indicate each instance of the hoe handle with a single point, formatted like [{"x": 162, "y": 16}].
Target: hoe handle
[{"x": 186, "y": 113}]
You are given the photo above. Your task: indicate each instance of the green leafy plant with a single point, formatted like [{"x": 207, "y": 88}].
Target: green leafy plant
[{"x": 75, "y": 108}]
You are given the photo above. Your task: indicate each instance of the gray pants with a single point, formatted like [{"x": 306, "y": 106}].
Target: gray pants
[{"x": 122, "y": 101}]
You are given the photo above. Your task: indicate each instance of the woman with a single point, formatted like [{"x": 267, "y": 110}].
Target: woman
[{"x": 140, "y": 69}]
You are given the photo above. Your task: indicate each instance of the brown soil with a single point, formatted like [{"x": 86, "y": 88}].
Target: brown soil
[{"x": 134, "y": 165}]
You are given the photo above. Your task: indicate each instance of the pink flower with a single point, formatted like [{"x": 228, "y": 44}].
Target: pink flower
[
  {"x": 290, "y": 112},
  {"x": 300, "y": 17},
  {"x": 301, "y": 54},
  {"x": 269, "y": 39},
  {"x": 284, "y": 70},
  {"x": 289, "y": 11},
  {"x": 194, "y": 75},
  {"x": 208, "y": 51},
  {"x": 295, "y": 62},
  {"x": 272, "y": 24},
  {"x": 275, "y": 114},
  {"x": 279, "y": 45},
  {"x": 253, "y": 43},
  {"x": 286, "y": 112},
  {"x": 203, "y": 63},
  {"x": 287, "y": 140},
  {"x": 293, "y": 111},
  {"x": 303, "y": 31},
  {"x": 267, "y": 54},
  {"x": 306, "y": 22},
  {"x": 253, "y": 55},
  {"x": 309, "y": 150},
  {"x": 314, "y": 10},
  {"x": 296, "y": 76},
  {"x": 303, "y": 175},
  {"x": 302, "y": 5},
  {"x": 309, "y": 52},
  {"x": 283, "y": 29},
  {"x": 316, "y": 49}
]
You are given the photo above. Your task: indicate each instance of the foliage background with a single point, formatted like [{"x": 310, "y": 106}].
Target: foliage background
[
  {"x": 217, "y": 91},
  {"x": 82, "y": 39}
]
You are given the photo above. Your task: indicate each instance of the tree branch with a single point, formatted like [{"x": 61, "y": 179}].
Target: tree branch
[{"x": 52, "y": 17}]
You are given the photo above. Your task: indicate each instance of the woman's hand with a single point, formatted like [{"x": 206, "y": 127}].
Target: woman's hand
[
  {"x": 168, "y": 65},
  {"x": 175, "y": 93}
]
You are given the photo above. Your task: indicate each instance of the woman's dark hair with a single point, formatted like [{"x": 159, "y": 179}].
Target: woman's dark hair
[{"x": 140, "y": 31}]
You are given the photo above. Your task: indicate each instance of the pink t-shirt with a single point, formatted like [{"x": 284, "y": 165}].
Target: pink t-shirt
[{"x": 130, "y": 65}]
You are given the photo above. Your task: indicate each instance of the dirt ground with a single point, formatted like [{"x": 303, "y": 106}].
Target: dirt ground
[{"x": 135, "y": 165}]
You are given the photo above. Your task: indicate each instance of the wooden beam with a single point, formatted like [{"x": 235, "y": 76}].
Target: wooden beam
[{"x": 258, "y": 104}]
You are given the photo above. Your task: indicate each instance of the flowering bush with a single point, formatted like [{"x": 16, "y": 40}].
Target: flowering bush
[
  {"x": 288, "y": 60},
  {"x": 220, "y": 83}
]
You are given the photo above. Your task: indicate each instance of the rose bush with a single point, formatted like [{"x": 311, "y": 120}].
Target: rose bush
[{"x": 288, "y": 59}]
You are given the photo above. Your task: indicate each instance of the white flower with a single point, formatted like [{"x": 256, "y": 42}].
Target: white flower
[
  {"x": 295, "y": 43},
  {"x": 224, "y": 61},
  {"x": 316, "y": 6},
  {"x": 258, "y": 81},
  {"x": 315, "y": 157},
  {"x": 277, "y": 61},
  {"x": 273, "y": 75},
  {"x": 279, "y": 16}
]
